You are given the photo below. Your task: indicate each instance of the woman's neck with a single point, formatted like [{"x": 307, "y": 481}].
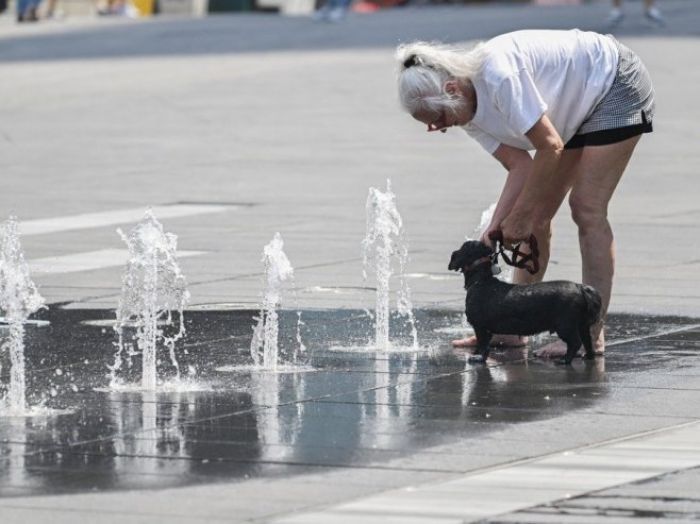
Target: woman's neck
[{"x": 469, "y": 94}]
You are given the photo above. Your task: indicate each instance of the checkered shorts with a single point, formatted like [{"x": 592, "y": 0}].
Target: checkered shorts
[
  {"x": 629, "y": 101},
  {"x": 627, "y": 108}
]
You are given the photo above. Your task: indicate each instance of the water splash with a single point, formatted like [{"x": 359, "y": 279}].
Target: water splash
[
  {"x": 484, "y": 222},
  {"x": 19, "y": 298},
  {"x": 264, "y": 347},
  {"x": 506, "y": 273},
  {"x": 384, "y": 242},
  {"x": 153, "y": 287}
]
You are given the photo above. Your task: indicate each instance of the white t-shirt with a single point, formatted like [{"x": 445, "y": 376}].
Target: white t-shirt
[{"x": 528, "y": 73}]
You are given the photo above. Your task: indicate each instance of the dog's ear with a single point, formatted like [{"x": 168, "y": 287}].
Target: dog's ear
[
  {"x": 460, "y": 258},
  {"x": 454, "y": 264}
]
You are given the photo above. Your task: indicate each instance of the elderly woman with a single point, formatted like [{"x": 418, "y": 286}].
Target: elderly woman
[{"x": 579, "y": 100}]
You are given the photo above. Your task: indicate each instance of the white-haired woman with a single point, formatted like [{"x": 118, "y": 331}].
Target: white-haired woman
[{"x": 579, "y": 100}]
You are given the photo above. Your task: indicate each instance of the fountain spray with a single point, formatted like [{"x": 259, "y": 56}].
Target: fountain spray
[
  {"x": 153, "y": 287},
  {"x": 19, "y": 298},
  {"x": 385, "y": 241},
  {"x": 264, "y": 347}
]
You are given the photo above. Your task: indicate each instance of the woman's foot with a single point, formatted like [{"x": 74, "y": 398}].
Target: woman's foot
[
  {"x": 557, "y": 349},
  {"x": 499, "y": 341}
]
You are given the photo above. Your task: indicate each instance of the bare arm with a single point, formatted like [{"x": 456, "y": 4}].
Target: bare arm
[
  {"x": 518, "y": 163},
  {"x": 534, "y": 202}
]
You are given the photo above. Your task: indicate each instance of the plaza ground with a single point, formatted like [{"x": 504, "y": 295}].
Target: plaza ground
[{"x": 236, "y": 127}]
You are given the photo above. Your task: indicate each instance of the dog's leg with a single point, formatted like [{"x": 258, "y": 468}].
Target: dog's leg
[
  {"x": 573, "y": 344},
  {"x": 585, "y": 334},
  {"x": 483, "y": 339}
]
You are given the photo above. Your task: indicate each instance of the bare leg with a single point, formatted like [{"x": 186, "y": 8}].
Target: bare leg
[
  {"x": 589, "y": 206},
  {"x": 601, "y": 168}
]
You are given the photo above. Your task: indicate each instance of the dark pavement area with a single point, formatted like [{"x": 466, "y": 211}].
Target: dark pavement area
[{"x": 346, "y": 408}]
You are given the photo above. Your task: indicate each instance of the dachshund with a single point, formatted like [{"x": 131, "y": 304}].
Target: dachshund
[{"x": 495, "y": 307}]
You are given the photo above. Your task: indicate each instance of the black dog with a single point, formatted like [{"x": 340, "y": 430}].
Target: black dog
[{"x": 495, "y": 307}]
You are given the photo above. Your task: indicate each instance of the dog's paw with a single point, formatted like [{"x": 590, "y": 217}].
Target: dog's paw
[{"x": 476, "y": 359}]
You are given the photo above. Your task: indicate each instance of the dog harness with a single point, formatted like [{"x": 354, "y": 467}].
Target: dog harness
[{"x": 517, "y": 258}]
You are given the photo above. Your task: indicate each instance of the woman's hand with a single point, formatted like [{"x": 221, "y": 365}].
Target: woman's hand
[
  {"x": 516, "y": 228},
  {"x": 484, "y": 238}
]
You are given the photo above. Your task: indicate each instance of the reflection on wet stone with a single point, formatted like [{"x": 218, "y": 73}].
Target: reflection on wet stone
[{"x": 360, "y": 410}]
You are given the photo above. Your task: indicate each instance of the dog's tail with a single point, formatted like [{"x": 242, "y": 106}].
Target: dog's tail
[{"x": 594, "y": 304}]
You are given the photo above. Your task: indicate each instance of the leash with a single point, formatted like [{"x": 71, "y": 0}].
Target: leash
[{"x": 517, "y": 258}]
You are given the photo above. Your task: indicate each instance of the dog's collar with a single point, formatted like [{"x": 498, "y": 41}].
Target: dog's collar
[{"x": 477, "y": 263}]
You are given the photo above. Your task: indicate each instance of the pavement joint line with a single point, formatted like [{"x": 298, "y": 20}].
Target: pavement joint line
[
  {"x": 660, "y": 388},
  {"x": 246, "y": 443},
  {"x": 337, "y": 465},
  {"x": 669, "y": 331},
  {"x": 102, "y": 511},
  {"x": 512, "y": 464},
  {"x": 613, "y": 486},
  {"x": 321, "y": 465}
]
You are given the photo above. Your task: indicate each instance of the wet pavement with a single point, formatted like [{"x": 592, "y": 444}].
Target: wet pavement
[{"x": 344, "y": 408}]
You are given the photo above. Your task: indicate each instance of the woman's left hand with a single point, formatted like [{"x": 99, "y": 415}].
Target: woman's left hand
[{"x": 516, "y": 228}]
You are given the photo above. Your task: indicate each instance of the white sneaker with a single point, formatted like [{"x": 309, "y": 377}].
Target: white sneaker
[
  {"x": 654, "y": 16},
  {"x": 615, "y": 18}
]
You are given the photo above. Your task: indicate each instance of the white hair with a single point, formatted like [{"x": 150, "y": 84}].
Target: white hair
[{"x": 424, "y": 67}]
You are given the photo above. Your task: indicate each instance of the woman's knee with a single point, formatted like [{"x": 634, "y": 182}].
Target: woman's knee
[{"x": 586, "y": 213}]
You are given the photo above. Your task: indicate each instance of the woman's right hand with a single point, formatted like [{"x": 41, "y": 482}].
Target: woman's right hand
[{"x": 484, "y": 239}]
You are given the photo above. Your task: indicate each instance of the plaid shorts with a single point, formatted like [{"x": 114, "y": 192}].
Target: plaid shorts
[{"x": 627, "y": 109}]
